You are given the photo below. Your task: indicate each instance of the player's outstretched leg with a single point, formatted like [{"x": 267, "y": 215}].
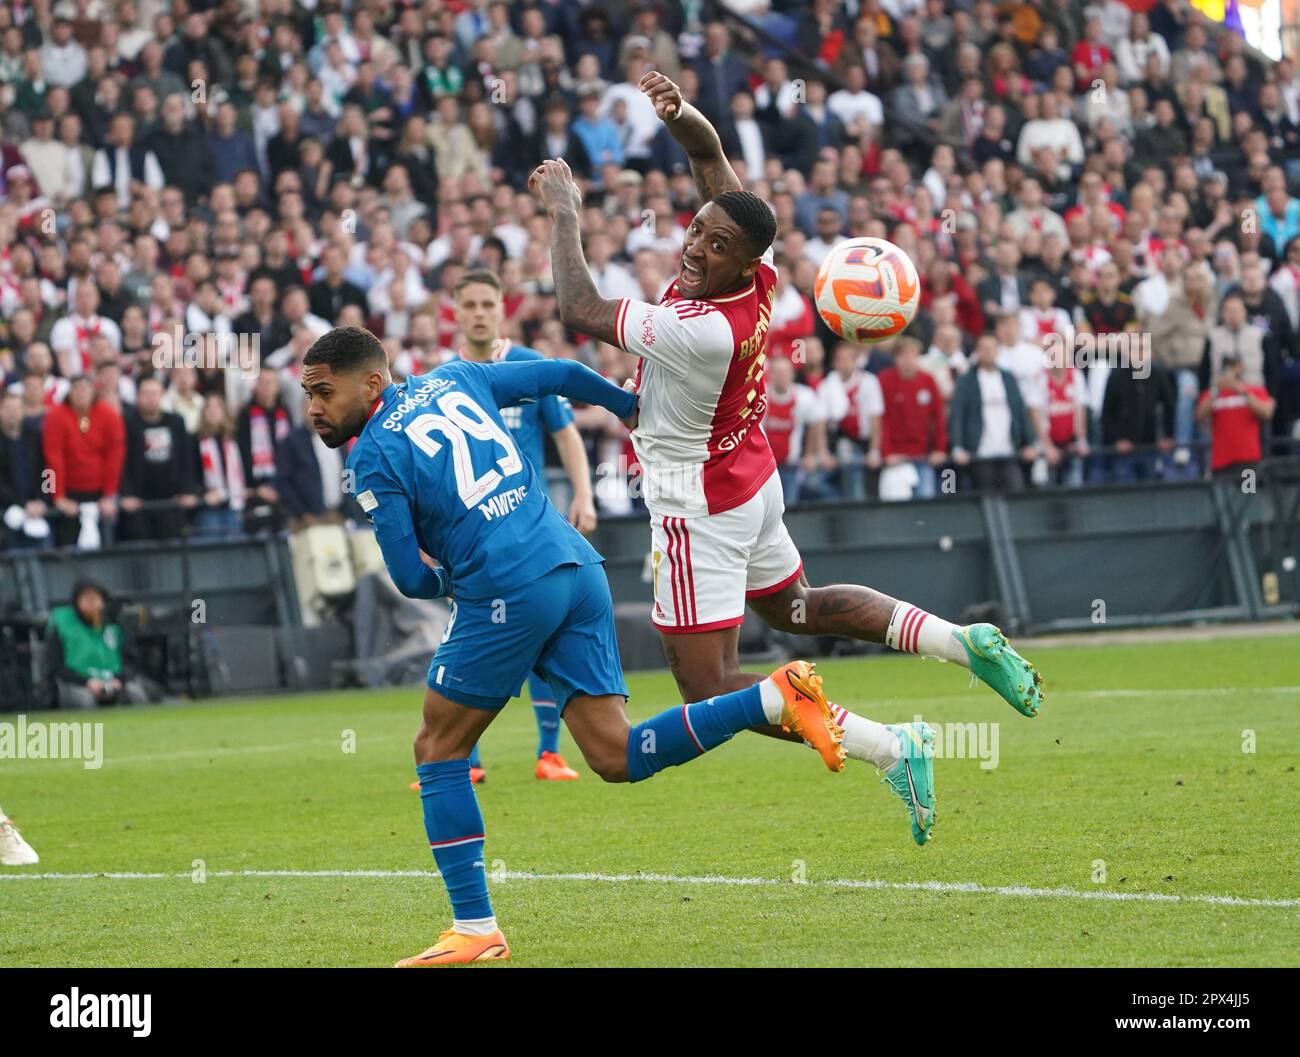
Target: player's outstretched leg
[
  {"x": 912, "y": 777},
  {"x": 709, "y": 663},
  {"x": 14, "y": 851},
  {"x": 551, "y": 766},
  {"x": 791, "y": 697},
  {"x": 861, "y": 613},
  {"x": 454, "y": 825},
  {"x": 996, "y": 662}
]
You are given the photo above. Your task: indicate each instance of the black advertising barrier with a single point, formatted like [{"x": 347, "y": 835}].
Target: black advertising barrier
[{"x": 1043, "y": 561}]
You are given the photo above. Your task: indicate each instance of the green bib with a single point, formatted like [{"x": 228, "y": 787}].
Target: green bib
[{"x": 95, "y": 653}]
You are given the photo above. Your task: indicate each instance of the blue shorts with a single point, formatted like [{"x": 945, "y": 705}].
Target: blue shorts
[{"x": 560, "y": 626}]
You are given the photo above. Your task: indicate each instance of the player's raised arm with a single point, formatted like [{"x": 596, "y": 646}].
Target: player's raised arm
[
  {"x": 581, "y": 306},
  {"x": 709, "y": 166},
  {"x": 653, "y": 332},
  {"x": 530, "y": 379}
]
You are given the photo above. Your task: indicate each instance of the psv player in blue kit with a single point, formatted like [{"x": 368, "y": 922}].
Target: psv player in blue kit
[
  {"x": 480, "y": 316},
  {"x": 458, "y": 510}
]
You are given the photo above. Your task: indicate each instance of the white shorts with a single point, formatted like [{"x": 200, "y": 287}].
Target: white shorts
[{"x": 706, "y": 567}]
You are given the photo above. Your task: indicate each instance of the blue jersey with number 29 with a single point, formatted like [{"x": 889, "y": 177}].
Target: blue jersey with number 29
[
  {"x": 529, "y": 423},
  {"x": 436, "y": 469}
]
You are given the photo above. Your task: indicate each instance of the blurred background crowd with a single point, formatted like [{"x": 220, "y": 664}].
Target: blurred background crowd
[{"x": 1100, "y": 200}]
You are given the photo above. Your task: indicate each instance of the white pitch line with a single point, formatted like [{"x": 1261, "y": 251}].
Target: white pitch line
[
  {"x": 958, "y": 887},
  {"x": 200, "y": 754},
  {"x": 1209, "y": 691}
]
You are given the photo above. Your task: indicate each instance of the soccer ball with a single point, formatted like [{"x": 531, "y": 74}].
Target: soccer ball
[{"x": 867, "y": 290}]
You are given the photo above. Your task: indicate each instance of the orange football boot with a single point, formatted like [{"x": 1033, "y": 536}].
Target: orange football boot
[
  {"x": 551, "y": 767},
  {"x": 477, "y": 776},
  {"x": 453, "y": 948},
  {"x": 807, "y": 712}
]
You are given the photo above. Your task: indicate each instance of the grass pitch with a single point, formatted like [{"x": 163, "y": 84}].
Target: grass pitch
[{"x": 1095, "y": 840}]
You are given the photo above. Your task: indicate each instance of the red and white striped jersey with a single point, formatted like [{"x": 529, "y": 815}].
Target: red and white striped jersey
[
  {"x": 1064, "y": 398},
  {"x": 702, "y": 395}
]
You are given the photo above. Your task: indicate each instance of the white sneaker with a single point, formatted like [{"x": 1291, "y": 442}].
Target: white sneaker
[{"x": 14, "y": 851}]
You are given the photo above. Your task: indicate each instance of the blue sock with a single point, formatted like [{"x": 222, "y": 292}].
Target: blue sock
[
  {"x": 681, "y": 734},
  {"x": 455, "y": 828},
  {"x": 473, "y": 756},
  {"x": 548, "y": 726}
]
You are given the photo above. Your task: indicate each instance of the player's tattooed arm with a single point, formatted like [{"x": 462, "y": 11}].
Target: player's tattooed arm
[
  {"x": 581, "y": 306},
  {"x": 710, "y": 169},
  {"x": 713, "y": 176}
]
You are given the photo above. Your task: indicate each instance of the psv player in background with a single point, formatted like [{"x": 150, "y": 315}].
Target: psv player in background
[
  {"x": 710, "y": 478},
  {"x": 480, "y": 318}
]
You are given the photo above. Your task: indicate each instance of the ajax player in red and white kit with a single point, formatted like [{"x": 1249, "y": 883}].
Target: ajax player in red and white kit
[{"x": 719, "y": 542}]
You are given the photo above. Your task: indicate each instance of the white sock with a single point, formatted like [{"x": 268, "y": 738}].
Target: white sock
[
  {"x": 913, "y": 630},
  {"x": 475, "y": 926},
  {"x": 865, "y": 739},
  {"x": 773, "y": 701}
]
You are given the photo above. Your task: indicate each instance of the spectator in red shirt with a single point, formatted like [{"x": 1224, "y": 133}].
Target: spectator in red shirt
[
  {"x": 1067, "y": 424},
  {"x": 944, "y": 281},
  {"x": 1090, "y": 54},
  {"x": 85, "y": 446},
  {"x": 1234, "y": 412},
  {"x": 913, "y": 430}
]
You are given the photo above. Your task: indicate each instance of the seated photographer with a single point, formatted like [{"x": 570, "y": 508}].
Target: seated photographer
[{"x": 83, "y": 651}]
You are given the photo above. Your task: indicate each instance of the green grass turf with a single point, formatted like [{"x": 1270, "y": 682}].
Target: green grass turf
[{"x": 1154, "y": 783}]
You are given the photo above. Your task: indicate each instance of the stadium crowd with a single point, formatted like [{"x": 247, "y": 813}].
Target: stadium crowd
[{"x": 1100, "y": 201}]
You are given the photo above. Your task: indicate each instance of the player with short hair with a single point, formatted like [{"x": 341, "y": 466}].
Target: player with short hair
[
  {"x": 442, "y": 478},
  {"x": 718, "y": 539}
]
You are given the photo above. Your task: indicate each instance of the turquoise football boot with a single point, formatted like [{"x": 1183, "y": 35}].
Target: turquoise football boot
[
  {"x": 912, "y": 777},
  {"x": 995, "y": 661}
]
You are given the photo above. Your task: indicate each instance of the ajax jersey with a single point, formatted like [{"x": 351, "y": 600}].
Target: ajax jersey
[{"x": 700, "y": 380}]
